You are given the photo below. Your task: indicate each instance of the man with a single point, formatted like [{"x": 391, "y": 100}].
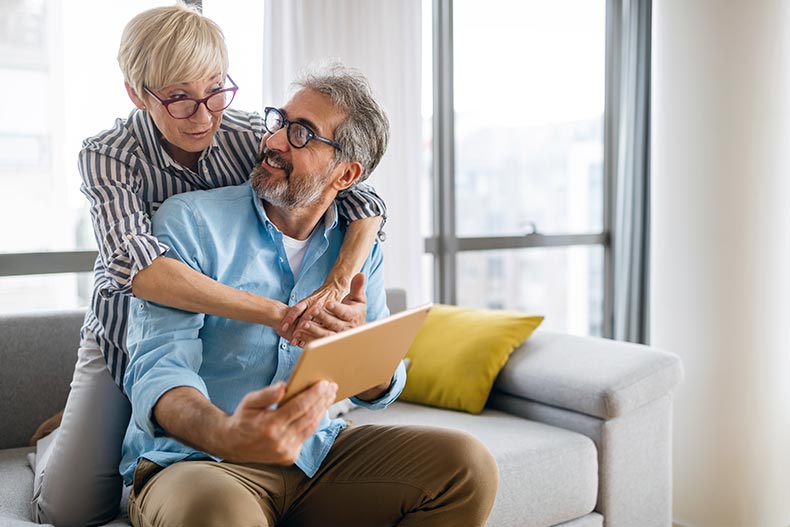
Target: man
[{"x": 207, "y": 443}]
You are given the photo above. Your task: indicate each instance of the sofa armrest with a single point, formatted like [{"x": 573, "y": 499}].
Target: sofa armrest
[{"x": 598, "y": 377}]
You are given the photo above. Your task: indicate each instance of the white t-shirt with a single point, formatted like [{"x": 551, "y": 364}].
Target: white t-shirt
[{"x": 295, "y": 250}]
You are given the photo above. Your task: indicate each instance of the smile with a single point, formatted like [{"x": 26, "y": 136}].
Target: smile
[{"x": 274, "y": 163}]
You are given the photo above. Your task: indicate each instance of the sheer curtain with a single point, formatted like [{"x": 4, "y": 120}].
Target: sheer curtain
[{"x": 383, "y": 40}]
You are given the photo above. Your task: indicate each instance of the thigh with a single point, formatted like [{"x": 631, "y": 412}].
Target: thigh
[
  {"x": 204, "y": 493},
  {"x": 77, "y": 478},
  {"x": 393, "y": 475}
]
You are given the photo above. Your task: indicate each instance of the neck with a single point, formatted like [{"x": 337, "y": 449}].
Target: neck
[
  {"x": 297, "y": 223},
  {"x": 182, "y": 157}
]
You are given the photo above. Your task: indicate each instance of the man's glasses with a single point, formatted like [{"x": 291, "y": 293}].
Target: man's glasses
[
  {"x": 186, "y": 107},
  {"x": 297, "y": 133}
]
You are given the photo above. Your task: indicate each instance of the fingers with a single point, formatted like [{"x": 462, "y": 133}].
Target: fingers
[
  {"x": 353, "y": 314},
  {"x": 308, "y": 331},
  {"x": 308, "y": 404},
  {"x": 265, "y": 398},
  {"x": 294, "y": 312}
]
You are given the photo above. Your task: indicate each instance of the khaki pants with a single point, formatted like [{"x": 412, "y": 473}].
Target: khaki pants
[{"x": 373, "y": 476}]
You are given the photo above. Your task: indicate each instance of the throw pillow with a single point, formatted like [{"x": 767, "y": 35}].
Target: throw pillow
[{"x": 459, "y": 352}]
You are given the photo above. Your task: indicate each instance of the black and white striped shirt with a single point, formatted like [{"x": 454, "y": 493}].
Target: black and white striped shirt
[{"x": 126, "y": 175}]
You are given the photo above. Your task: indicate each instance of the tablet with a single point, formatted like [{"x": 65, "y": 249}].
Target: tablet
[{"x": 359, "y": 358}]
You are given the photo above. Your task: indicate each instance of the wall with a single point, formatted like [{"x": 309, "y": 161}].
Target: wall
[{"x": 721, "y": 252}]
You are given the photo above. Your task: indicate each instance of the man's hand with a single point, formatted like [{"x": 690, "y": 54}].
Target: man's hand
[
  {"x": 334, "y": 317},
  {"x": 256, "y": 433}
]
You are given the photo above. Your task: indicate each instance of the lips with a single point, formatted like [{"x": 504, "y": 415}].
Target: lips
[
  {"x": 198, "y": 135},
  {"x": 271, "y": 159}
]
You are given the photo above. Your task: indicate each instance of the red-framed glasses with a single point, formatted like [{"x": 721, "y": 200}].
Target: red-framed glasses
[{"x": 186, "y": 107}]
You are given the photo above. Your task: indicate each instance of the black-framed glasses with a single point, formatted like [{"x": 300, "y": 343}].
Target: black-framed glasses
[
  {"x": 186, "y": 107},
  {"x": 298, "y": 134}
]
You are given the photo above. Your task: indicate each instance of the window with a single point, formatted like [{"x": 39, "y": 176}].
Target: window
[{"x": 516, "y": 163}]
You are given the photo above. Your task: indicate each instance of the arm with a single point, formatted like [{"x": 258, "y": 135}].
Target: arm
[
  {"x": 255, "y": 433},
  {"x": 169, "y": 282},
  {"x": 132, "y": 254},
  {"x": 367, "y": 213}
]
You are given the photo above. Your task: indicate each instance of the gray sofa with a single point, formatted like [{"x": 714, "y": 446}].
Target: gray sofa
[{"x": 580, "y": 427}]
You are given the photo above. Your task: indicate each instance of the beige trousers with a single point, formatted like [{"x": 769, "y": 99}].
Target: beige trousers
[{"x": 373, "y": 476}]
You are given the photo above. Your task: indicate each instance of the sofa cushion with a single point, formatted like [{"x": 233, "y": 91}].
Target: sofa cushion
[
  {"x": 547, "y": 475},
  {"x": 458, "y": 353},
  {"x": 598, "y": 377},
  {"x": 16, "y": 485}
]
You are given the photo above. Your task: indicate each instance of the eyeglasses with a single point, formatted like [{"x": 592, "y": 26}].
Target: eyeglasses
[
  {"x": 298, "y": 134},
  {"x": 186, "y": 107}
]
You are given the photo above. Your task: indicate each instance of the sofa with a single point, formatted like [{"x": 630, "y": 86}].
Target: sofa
[{"x": 580, "y": 427}]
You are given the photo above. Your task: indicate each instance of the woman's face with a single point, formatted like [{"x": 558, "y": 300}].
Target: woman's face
[{"x": 183, "y": 138}]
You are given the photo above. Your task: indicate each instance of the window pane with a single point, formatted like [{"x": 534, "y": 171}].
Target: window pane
[
  {"x": 565, "y": 284},
  {"x": 22, "y": 294},
  {"x": 529, "y": 101},
  {"x": 57, "y": 87}
]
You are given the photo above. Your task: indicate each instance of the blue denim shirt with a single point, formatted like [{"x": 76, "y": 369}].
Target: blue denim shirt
[{"x": 225, "y": 234}]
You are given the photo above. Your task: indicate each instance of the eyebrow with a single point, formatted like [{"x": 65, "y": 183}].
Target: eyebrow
[{"x": 302, "y": 120}]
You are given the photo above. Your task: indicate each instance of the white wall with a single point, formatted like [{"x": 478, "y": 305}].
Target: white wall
[{"x": 721, "y": 252}]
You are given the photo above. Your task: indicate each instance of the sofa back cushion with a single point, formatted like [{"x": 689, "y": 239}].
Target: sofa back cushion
[{"x": 37, "y": 356}]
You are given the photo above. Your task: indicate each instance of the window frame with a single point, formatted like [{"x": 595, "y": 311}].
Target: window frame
[{"x": 445, "y": 244}]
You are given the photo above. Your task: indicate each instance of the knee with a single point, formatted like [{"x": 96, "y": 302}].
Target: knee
[
  {"x": 75, "y": 505},
  {"x": 476, "y": 467},
  {"x": 201, "y": 494}
]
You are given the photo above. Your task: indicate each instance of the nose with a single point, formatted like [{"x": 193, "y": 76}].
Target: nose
[
  {"x": 278, "y": 140},
  {"x": 202, "y": 115}
]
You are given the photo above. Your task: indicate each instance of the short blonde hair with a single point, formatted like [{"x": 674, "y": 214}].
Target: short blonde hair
[{"x": 169, "y": 45}]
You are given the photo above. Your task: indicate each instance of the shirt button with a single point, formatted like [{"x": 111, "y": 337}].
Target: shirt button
[
  {"x": 293, "y": 296},
  {"x": 142, "y": 306},
  {"x": 282, "y": 346},
  {"x": 129, "y": 237},
  {"x": 281, "y": 260}
]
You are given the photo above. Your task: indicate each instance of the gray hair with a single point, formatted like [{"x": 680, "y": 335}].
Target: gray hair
[{"x": 364, "y": 133}]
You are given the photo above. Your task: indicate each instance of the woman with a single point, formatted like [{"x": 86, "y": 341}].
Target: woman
[{"x": 181, "y": 137}]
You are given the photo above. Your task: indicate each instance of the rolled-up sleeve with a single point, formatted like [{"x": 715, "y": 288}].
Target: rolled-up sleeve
[
  {"x": 164, "y": 353},
  {"x": 361, "y": 201},
  {"x": 120, "y": 221},
  {"x": 165, "y": 349}
]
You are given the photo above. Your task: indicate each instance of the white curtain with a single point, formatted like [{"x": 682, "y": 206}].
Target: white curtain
[{"x": 381, "y": 38}]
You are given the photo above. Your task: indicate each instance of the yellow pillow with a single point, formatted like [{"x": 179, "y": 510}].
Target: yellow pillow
[{"x": 458, "y": 354}]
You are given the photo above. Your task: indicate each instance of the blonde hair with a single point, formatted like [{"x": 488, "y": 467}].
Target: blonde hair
[{"x": 169, "y": 45}]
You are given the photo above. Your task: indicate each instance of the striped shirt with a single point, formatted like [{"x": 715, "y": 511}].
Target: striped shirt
[{"x": 126, "y": 175}]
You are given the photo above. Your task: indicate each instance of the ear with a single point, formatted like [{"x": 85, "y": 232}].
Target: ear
[
  {"x": 349, "y": 175},
  {"x": 136, "y": 99}
]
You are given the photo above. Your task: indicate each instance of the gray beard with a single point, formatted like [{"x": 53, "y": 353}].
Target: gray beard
[{"x": 287, "y": 193}]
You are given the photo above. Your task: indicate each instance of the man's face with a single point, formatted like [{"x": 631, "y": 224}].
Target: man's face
[{"x": 289, "y": 177}]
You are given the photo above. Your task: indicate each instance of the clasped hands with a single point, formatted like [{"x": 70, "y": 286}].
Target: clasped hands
[{"x": 324, "y": 313}]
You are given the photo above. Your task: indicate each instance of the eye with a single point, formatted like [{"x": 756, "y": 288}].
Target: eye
[{"x": 176, "y": 95}]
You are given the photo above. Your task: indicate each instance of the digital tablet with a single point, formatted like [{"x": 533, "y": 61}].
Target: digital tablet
[{"x": 360, "y": 358}]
